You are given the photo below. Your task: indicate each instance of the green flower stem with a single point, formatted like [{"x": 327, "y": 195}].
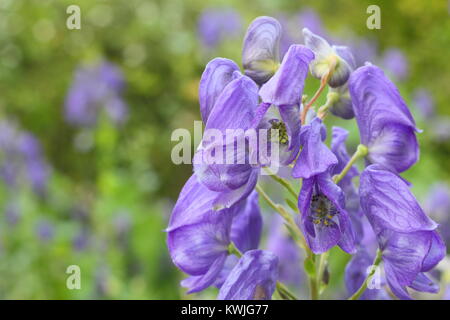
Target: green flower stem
[
  {"x": 360, "y": 152},
  {"x": 321, "y": 269},
  {"x": 363, "y": 287},
  {"x": 232, "y": 249},
  {"x": 283, "y": 182}
]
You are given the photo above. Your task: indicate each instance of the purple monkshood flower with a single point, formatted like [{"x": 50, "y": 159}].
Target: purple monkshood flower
[
  {"x": 284, "y": 247},
  {"x": 94, "y": 89},
  {"x": 253, "y": 278},
  {"x": 261, "y": 49},
  {"x": 234, "y": 109},
  {"x": 198, "y": 236},
  {"x": 81, "y": 240},
  {"x": 216, "y": 25},
  {"x": 396, "y": 64},
  {"x": 324, "y": 55},
  {"x": 407, "y": 238},
  {"x": 385, "y": 123},
  {"x": 324, "y": 220},
  {"x": 424, "y": 102}
]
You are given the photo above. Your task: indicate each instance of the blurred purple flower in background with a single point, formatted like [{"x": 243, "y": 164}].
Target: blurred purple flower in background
[
  {"x": 284, "y": 247},
  {"x": 215, "y": 25},
  {"x": 437, "y": 205},
  {"x": 45, "y": 230},
  {"x": 12, "y": 213},
  {"x": 22, "y": 157},
  {"x": 96, "y": 88},
  {"x": 309, "y": 18},
  {"x": 395, "y": 63},
  {"x": 37, "y": 169},
  {"x": 424, "y": 102}
]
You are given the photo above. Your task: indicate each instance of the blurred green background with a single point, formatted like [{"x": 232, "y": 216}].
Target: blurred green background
[{"x": 110, "y": 188}]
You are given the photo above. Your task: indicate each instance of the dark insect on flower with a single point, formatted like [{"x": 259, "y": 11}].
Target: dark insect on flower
[{"x": 322, "y": 211}]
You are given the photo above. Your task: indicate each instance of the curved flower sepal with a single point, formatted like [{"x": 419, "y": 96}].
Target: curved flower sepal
[
  {"x": 315, "y": 158},
  {"x": 388, "y": 202},
  {"x": 219, "y": 163},
  {"x": 200, "y": 249},
  {"x": 218, "y": 73},
  {"x": 407, "y": 256},
  {"x": 253, "y": 278},
  {"x": 261, "y": 49},
  {"x": 324, "y": 220},
  {"x": 385, "y": 123},
  {"x": 327, "y": 57},
  {"x": 285, "y": 88}
]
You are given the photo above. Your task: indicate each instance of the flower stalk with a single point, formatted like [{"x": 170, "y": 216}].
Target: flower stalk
[{"x": 361, "y": 152}]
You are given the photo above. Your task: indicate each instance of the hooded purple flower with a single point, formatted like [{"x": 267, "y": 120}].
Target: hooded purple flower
[
  {"x": 406, "y": 236},
  {"x": 260, "y": 52},
  {"x": 198, "y": 236},
  {"x": 324, "y": 220},
  {"x": 234, "y": 109},
  {"x": 281, "y": 97},
  {"x": 215, "y": 25},
  {"x": 324, "y": 55},
  {"x": 253, "y": 278},
  {"x": 94, "y": 89},
  {"x": 385, "y": 123}
]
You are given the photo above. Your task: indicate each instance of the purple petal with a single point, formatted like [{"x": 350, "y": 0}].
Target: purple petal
[
  {"x": 385, "y": 123},
  {"x": 388, "y": 202},
  {"x": 218, "y": 73},
  {"x": 315, "y": 158},
  {"x": 286, "y": 86},
  {"x": 253, "y": 278},
  {"x": 260, "y": 53}
]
